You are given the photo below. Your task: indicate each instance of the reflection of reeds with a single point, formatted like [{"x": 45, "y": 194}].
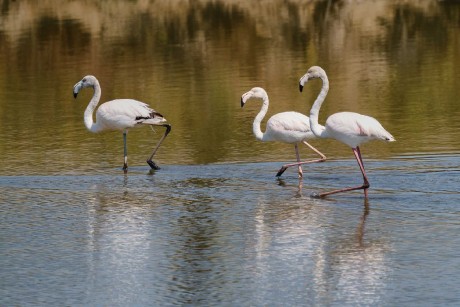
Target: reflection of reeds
[
  {"x": 192, "y": 60},
  {"x": 109, "y": 18},
  {"x": 337, "y": 33}
]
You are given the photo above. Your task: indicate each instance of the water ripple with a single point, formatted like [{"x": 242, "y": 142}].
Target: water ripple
[{"x": 229, "y": 233}]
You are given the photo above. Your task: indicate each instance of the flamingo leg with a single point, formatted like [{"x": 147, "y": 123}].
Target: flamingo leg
[
  {"x": 298, "y": 160},
  {"x": 149, "y": 161},
  {"x": 364, "y": 186},
  {"x": 286, "y": 166},
  {"x": 360, "y": 158},
  {"x": 361, "y": 166},
  {"x": 125, "y": 152}
]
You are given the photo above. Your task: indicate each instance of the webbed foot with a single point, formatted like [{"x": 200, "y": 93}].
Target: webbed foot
[
  {"x": 153, "y": 165},
  {"x": 315, "y": 195},
  {"x": 281, "y": 171}
]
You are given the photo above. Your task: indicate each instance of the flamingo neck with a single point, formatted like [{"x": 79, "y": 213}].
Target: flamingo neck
[
  {"x": 88, "y": 116},
  {"x": 256, "y": 125},
  {"x": 317, "y": 129}
]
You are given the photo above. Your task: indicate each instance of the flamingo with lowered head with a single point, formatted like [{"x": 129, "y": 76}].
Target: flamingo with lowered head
[
  {"x": 119, "y": 114},
  {"x": 288, "y": 127},
  {"x": 349, "y": 128}
]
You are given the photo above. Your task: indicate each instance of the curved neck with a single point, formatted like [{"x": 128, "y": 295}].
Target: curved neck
[
  {"x": 256, "y": 125},
  {"x": 317, "y": 129},
  {"x": 88, "y": 116}
]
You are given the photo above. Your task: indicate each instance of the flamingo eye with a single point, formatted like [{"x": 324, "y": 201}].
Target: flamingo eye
[{"x": 84, "y": 80}]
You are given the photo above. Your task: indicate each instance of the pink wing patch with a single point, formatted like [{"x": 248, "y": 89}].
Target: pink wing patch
[{"x": 360, "y": 130}]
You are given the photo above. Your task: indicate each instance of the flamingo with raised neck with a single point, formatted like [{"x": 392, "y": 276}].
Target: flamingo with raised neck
[
  {"x": 349, "y": 128},
  {"x": 119, "y": 114}
]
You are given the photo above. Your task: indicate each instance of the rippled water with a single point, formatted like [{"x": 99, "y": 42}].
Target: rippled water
[
  {"x": 229, "y": 234},
  {"x": 214, "y": 226}
]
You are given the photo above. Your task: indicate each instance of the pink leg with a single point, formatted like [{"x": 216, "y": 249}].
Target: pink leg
[
  {"x": 298, "y": 160},
  {"x": 285, "y": 167},
  {"x": 361, "y": 166},
  {"x": 365, "y": 184},
  {"x": 360, "y": 158}
]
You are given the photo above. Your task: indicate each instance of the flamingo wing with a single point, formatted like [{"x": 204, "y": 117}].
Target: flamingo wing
[
  {"x": 126, "y": 113},
  {"x": 354, "y": 129},
  {"x": 289, "y": 127}
]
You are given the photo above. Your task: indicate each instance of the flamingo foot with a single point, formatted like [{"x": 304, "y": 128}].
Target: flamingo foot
[
  {"x": 153, "y": 165},
  {"x": 315, "y": 195},
  {"x": 281, "y": 171}
]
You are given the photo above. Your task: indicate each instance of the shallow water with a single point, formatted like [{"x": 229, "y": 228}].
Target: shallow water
[
  {"x": 226, "y": 234},
  {"x": 214, "y": 226}
]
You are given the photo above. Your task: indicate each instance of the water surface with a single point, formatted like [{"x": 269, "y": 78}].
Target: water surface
[{"x": 229, "y": 234}]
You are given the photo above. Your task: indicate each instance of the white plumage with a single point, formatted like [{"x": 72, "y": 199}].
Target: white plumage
[
  {"x": 119, "y": 114},
  {"x": 354, "y": 129},
  {"x": 287, "y": 127},
  {"x": 349, "y": 128}
]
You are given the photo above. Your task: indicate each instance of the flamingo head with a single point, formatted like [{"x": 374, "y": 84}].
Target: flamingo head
[
  {"x": 313, "y": 72},
  {"x": 256, "y": 92},
  {"x": 88, "y": 81}
]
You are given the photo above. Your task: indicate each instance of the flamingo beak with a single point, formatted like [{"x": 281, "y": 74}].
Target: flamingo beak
[
  {"x": 76, "y": 89},
  {"x": 302, "y": 81},
  {"x": 244, "y": 99}
]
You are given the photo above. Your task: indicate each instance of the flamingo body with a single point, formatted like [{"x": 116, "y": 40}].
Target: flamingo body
[
  {"x": 287, "y": 127},
  {"x": 354, "y": 129},
  {"x": 119, "y": 114},
  {"x": 122, "y": 114}
]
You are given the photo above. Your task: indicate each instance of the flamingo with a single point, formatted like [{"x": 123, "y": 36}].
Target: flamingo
[
  {"x": 349, "y": 128},
  {"x": 119, "y": 114},
  {"x": 288, "y": 127}
]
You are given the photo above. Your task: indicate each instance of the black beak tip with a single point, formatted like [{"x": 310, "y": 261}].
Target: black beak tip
[
  {"x": 75, "y": 95},
  {"x": 300, "y": 88},
  {"x": 242, "y": 102}
]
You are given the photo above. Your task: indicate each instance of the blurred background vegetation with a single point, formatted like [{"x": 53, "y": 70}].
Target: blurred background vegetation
[{"x": 191, "y": 60}]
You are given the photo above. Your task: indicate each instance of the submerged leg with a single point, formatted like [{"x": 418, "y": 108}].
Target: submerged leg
[
  {"x": 364, "y": 186},
  {"x": 285, "y": 167},
  {"x": 125, "y": 152},
  {"x": 149, "y": 161}
]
